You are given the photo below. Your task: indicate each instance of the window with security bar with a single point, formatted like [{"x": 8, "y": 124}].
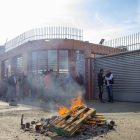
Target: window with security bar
[
  {"x": 41, "y": 61},
  {"x": 34, "y": 62},
  {"x": 49, "y": 59},
  {"x": 4, "y": 68},
  {"x": 78, "y": 55},
  {"x": 6, "y": 63},
  {"x": 52, "y": 60},
  {"x": 17, "y": 64},
  {"x": 63, "y": 61}
]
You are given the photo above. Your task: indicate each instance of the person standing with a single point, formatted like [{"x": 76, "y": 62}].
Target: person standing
[
  {"x": 68, "y": 84},
  {"x": 52, "y": 77},
  {"x": 4, "y": 86},
  {"x": 22, "y": 84},
  {"x": 53, "y": 91},
  {"x": 79, "y": 87},
  {"x": 79, "y": 79},
  {"x": 32, "y": 85},
  {"x": 42, "y": 83},
  {"x": 48, "y": 85},
  {"x": 100, "y": 84},
  {"x": 109, "y": 85},
  {"x": 12, "y": 86},
  {"x": 58, "y": 86}
]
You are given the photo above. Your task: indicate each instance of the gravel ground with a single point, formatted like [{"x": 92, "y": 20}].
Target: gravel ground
[{"x": 126, "y": 116}]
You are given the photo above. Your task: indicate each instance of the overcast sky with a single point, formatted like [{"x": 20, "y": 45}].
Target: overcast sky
[{"x": 106, "y": 19}]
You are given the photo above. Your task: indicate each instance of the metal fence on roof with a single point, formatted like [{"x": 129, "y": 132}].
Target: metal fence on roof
[
  {"x": 130, "y": 42},
  {"x": 45, "y": 33}
]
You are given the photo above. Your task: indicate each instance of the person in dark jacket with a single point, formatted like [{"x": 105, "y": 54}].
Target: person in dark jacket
[
  {"x": 4, "y": 86},
  {"x": 12, "y": 86},
  {"x": 42, "y": 79},
  {"x": 52, "y": 77},
  {"x": 58, "y": 80},
  {"x": 100, "y": 84},
  {"x": 58, "y": 85},
  {"x": 22, "y": 84},
  {"x": 53, "y": 92},
  {"x": 68, "y": 84},
  {"x": 40, "y": 93},
  {"x": 79, "y": 79},
  {"x": 32, "y": 85}
]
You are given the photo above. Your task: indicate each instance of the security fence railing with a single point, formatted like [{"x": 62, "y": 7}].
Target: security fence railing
[
  {"x": 130, "y": 42},
  {"x": 45, "y": 33}
]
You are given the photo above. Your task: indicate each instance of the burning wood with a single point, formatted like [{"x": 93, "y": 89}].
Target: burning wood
[
  {"x": 75, "y": 103},
  {"x": 70, "y": 120}
]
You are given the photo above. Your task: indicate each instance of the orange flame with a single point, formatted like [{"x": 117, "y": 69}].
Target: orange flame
[{"x": 75, "y": 103}]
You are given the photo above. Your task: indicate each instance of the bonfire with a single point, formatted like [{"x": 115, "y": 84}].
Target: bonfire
[
  {"x": 61, "y": 110},
  {"x": 69, "y": 120}
]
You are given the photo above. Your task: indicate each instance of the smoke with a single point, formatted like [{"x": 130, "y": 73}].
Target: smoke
[{"x": 57, "y": 94}]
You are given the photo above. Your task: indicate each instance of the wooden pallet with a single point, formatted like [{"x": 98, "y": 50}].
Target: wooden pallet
[
  {"x": 70, "y": 122},
  {"x": 98, "y": 119}
]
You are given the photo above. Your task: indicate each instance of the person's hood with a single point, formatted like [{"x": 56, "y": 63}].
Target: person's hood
[{"x": 11, "y": 74}]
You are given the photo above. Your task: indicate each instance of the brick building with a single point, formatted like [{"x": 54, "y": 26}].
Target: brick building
[
  {"x": 38, "y": 55},
  {"x": 35, "y": 55}
]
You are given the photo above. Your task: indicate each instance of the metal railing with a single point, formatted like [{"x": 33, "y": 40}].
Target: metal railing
[
  {"x": 45, "y": 33},
  {"x": 130, "y": 42}
]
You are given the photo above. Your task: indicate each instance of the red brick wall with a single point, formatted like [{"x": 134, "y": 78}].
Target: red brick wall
[{"x": 66, "y": 44}]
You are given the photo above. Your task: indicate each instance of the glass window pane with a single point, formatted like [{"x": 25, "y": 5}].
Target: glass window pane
[
  {"x": 6, "y": 63},
  {"x": 78, "y": 55},
  {"x": 19, "y": 65},
  {"x": 41, "y": 61},
  {"x": 63, "y": 61},
  {"x": 33, "y": 61},
  {"x": 52, "y": 60}
]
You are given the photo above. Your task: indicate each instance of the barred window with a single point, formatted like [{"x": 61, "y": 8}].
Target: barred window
[
  {"x": 63, "y": 61},
  {"x": 6, "y": 63},
  {"x": 41, "y": 61},
  {"x": 52, "y": 60},
  {"x": 34, "y": 61},
  {"x": 49, "y": 59}
]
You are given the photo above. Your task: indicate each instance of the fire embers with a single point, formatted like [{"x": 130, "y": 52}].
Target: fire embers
[
  {"x": 98, "y": 119},
  {"x": 88, "y": 130}
]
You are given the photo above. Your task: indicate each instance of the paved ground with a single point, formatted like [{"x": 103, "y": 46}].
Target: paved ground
[{"x": 126, "y": 116}]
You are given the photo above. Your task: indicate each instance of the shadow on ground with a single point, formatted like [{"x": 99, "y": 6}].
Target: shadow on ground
[
  {"x": 116, "y": 107},
  {"x": 107, "y": 107}
]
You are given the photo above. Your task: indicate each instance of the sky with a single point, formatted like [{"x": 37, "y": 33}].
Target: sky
[{"x": 108, "y": 19}]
